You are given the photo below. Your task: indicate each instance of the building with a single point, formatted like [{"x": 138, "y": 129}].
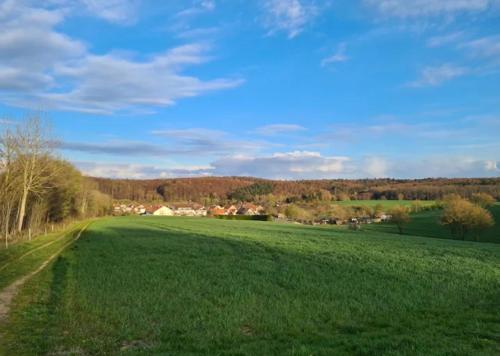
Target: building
[
  {"x": 163, "y": 211},
  {"x": 231, "y": 210},
  {"x": 217, "y": 210},
  {"x": 250, "y": 209},
  {"x": 184, "y": 211}
]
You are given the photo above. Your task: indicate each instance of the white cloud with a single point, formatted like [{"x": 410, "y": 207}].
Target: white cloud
[
  {"x": 290, "y": 16},
  {"x": 288, "y": 165},
  {"x": 277, "y": 129},
  {"x": 376, "y": 167},
  {"x": 110, "y": 83},
  {"x": 338, "y": 56},
  {"x": 434, "y": 76},
  {"x": 30, "y": 48},
  {"x": 307, "y": 165},
  {"x": 41, "y": 67},
  {"x": 117, "y": 11},
  {"x": 420, "y": 8}
]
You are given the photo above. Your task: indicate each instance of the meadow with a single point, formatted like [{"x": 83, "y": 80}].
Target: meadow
[
  {"x": 426, "y": 223},
  {"x": 385, "y": 203},
  {"x": 148, "y": 285}
]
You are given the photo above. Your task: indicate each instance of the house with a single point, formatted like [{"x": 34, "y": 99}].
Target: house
[
  {"x": 250, "y": 209},
  {"x": 217, "y": 210},
  {"x": 163, "y": 211},
  {"x": 201, "y": 211},
  {"x": 231, "y": 210},
  {"x": 184, "y": 211}
]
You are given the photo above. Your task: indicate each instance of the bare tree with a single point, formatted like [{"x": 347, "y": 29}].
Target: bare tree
[
  {"x": 8, "y": 181},
  {"x": 33, "y": 151}
]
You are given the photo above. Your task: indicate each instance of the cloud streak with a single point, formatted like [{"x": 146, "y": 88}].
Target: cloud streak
[
  {"x": 338, "y": 56},
  {"x": 437, "y": 75},
  {"x": 289, "y": 16},
  {"x": 279, "y": 129},
  {"x": 423, "y": 8}
]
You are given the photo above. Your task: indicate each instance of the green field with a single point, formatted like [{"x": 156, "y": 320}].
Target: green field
[
  {"x": 19, "y": 259},
  {"x": 426, "y": 224},
  {"x": 385, "y": 203},
  {"x": 149, "y": 285}
]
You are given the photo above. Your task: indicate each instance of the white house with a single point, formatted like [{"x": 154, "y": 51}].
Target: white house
[{"x": 163, "y": 211}]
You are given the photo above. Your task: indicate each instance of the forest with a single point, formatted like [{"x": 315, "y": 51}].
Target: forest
[
  {"x": 38, "y": 189},
  {"x": 220, "y": 190}
]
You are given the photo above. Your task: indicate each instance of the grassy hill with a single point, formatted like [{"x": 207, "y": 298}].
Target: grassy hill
[
  {"x": 385, "y": 203},
  {"x": 427, "y": 224},
  {"x": 146, "y": 285}
]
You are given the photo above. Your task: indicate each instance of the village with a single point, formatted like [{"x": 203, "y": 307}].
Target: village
[
  {"x": 255, "y": 212},
  {"x": 194, "y": 210}
]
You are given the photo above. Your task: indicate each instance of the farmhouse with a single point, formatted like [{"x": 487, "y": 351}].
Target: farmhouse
[{"x": 162, "y": 211}]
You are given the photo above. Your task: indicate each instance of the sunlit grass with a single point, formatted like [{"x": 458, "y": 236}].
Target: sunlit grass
[{"x": 150, "y": 285}]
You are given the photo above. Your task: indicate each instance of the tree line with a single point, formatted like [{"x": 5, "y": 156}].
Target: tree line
[
  {"x": 37, "y": 188},
  {"x": 224, "y": 190}
]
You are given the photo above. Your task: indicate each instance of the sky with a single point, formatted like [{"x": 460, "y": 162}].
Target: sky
[{"x": 281, "y": 89}]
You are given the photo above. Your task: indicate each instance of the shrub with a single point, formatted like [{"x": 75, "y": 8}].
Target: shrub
[{"x": 245, "y": 217}]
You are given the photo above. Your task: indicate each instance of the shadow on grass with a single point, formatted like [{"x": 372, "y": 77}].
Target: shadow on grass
[
  {"x": 207, "y": 292},
  {"x": 351, "y": 281},
  {"x": 55, "y": 302}
]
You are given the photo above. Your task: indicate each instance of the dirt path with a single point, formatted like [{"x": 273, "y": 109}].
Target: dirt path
[
  {"x": 32, "y": 251},
  {"x": 10, "y": 292}
]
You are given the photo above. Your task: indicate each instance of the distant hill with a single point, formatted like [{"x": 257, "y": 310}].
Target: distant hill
[{"x": 213, "y": 189}]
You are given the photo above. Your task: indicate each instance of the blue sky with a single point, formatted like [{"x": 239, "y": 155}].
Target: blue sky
[{"x": 285, "y": 89}]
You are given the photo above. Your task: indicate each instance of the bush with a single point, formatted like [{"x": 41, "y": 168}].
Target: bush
[{"x": 245, "y": 217}]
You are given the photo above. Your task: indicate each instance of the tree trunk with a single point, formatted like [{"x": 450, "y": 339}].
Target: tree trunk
[
  {"x": 7, "y": 223},
  {"x": 22, "y": 210},
  {"x": 7, "y": 234}
]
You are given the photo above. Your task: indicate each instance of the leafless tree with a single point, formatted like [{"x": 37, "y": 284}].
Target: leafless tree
[
  {"x": 8, "y": 180},
  {"x": 33, "y": 151}
]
